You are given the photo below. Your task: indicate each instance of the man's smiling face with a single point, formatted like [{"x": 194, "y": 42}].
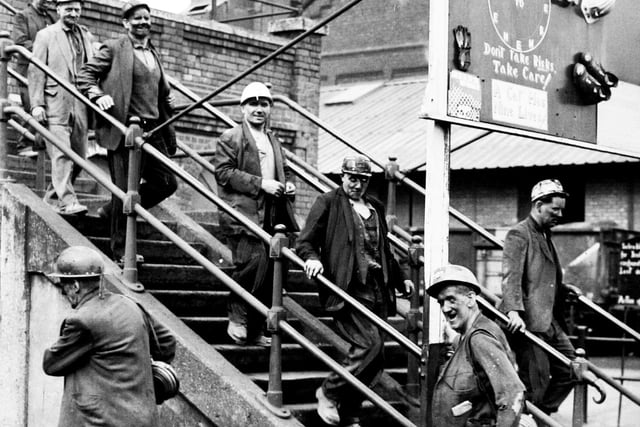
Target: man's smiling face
[{"x": 455, "y": 302}]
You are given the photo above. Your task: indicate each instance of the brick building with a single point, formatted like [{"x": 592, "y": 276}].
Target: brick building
[{"x": 204, "y": 55}]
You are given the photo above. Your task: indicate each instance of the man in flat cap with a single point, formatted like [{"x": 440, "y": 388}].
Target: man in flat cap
[
  {"x": 64, "y": 47},
  {"x": 126, "y": 79}
]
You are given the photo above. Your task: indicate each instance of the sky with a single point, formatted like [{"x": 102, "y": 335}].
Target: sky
[{"x": 174, "y": 6}]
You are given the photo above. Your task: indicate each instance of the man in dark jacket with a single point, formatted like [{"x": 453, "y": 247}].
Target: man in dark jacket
[
  {"x": 125, "y": 78},
  {"x": 345, "y": 238},
  {"x": 533, "y": 296},
  {"x": 26, "y": 24},
  {"x": 479, "y": 385},
  {"x": 252, "y": 177},
  {"x": 104, "y": 350}
]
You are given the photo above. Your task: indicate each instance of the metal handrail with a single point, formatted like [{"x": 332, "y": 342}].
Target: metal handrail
[
  {"x": 103, "y": 180},
  {"x": 99, "y": 176}
]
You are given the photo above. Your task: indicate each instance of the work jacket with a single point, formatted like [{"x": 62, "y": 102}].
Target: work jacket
[
  {"x": 532, "y": 277},
  {"x": 479, "y": 386},
  {"x": 331, "y": 236}
]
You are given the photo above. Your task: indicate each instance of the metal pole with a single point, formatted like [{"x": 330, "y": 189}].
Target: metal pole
[
  {"x": 389, "y": 174},
  {"x": 416, "y": 250},
  {"x": 276, "y": 314},
  {"x": 260, "y": 63},
  {"x": 5, "y": 57},
  {"x": 132, "y": 198},
  {"x": 579, "y": 367}
]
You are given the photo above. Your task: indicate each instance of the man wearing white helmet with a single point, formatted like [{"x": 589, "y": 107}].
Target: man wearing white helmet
[
  {"x": 478, "y": 385},
  {"x": 104, "y": 350},
  {"x": 533, "y": 297},
  {"x": 252, "y": 177}
]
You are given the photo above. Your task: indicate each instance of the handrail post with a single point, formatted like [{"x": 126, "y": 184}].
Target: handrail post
[
  {"x": 579, "y": 368},
  {"x": 582, "y": 331},
  {"x": 132, "y": 198},
  {"x": 390, "y": 170},
  {"x": 274, "y": 316},
  {"x": 5, "y": 57},
  {"x": 416, "y": 250}
]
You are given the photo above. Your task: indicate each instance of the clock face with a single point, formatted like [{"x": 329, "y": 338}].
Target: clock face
[{"x": 520, "y": 24}]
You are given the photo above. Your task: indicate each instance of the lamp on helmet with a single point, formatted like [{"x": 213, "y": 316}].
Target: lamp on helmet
[
  {"x": 356, "y": 165},
  {"x": 78, "y": 262}
]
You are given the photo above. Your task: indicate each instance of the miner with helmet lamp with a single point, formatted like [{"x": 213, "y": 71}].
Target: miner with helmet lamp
[
  {"x": 482, "y": 360},
  {"x": 105, "y": 350},
  {"x": 534, "y": 294},
  {"x": 253, "y": 177},
  {"x": 345, "y": 239}
]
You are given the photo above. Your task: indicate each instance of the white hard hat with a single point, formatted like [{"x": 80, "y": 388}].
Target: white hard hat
[
  {"x": 452, "y": 274},
  {"x": 547, "y": 187},
  {"x": 255, "y": 90}
]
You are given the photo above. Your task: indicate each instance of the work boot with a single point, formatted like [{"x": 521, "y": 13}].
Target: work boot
[
  {"x": 237, "y": 332},
  {"x": 327, "y": 409}
]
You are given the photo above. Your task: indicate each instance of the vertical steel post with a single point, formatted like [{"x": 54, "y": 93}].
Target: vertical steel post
[
  {"x": 274, "y": 316},
  {"x": 438, "y": 142},
  {"x": 416, "y": 250},
  {"x": 133, "y": 196},
  {"x": 5, "y": 41},
  {"x": 390, "y": 170},
  {"x": 581, "y": 332},
  {"x": 579, "y": 367}
]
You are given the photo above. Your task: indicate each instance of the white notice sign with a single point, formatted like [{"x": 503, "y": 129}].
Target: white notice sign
[{"x": 519, "y": 105}]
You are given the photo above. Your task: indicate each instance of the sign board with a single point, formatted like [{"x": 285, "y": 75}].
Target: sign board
[
  {"x": 521, "y": 59},
  {"x": 629, "y": 272}
]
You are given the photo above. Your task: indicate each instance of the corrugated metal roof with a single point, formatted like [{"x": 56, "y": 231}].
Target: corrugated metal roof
[{"x": 382, "y": 119}]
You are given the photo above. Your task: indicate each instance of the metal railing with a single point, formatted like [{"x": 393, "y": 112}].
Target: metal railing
[{"x": 134, "y": 140}]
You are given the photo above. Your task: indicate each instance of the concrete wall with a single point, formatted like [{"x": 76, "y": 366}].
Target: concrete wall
[
  {"x": 205, "y": 55},
  {"x": 212, "y": 391}
]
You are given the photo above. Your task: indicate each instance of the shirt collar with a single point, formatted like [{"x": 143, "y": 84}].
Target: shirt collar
[{"x": 137, "y": 45}]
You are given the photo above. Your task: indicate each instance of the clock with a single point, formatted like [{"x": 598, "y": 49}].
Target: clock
[{"x": 520, "y": 24}]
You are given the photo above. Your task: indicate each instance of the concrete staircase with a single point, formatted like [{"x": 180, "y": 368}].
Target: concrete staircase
[{"x": 199, "y": 299}]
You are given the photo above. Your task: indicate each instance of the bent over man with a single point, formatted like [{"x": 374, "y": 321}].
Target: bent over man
[
  {"x": 479, "y": 385},
  {"x": 533, "y": 296},
  {"x": 104, "y": 350},
  {"x": 345, "y": 238},
  {"x": 126, "y": 79}
]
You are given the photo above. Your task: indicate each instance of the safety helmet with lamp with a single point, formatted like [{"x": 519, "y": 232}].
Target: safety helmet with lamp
[
  {"x": 452, "y": 274},
  {"x": 130, "y": 6},
  {"x": 255, "y": 90},
  {"x": 78, "y": 262},
  {"x": 165, "y": 381},
  {"x": 547, "y": 187},
  {"x": 356, "y": 165}
]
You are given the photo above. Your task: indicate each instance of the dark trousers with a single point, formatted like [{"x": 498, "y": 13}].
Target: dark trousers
[
  {"x": 548, "y": 381},
  {"x": 365, "y": 359},
  {"x": 253, "y": 271},
  {"x": 158, "y": 183}
]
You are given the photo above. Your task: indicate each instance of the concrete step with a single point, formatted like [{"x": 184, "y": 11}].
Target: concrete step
[
  {"x": 94, "y": 226},
  {"x": 155, "y": 251},
  {"x": 180, "y": 277}
]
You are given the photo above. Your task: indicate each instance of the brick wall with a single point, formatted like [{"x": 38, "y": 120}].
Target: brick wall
[
  {"x": 205, "y": 55},
  {"x": 374, "y": 40}
]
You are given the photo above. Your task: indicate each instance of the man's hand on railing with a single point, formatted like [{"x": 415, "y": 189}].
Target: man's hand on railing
[
  {"x": 572, "y": 290},
  {"x": 104, "y": 102},
  {"x": 272, "y": 187},
  {"x": 409, "y": 287},
  {"x": 516, "y": 324},
  {"x": 40, "y": 114},
  {"x": 313, "y": 267},
  {"x": 171, "y": 101},
  {"x": 289, "y": 189}
]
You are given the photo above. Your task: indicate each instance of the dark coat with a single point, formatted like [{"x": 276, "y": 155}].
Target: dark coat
[
  {"x": 110, "y": 72},
  {"x": 27, "y": 23},
  {"x": 531, "y": 277},
  {"x": 329, "y": 235},
  {"x": 239, "y": 178},
  {"x": 104, "y": 354},
  {"x": 482, "y": 372}
]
